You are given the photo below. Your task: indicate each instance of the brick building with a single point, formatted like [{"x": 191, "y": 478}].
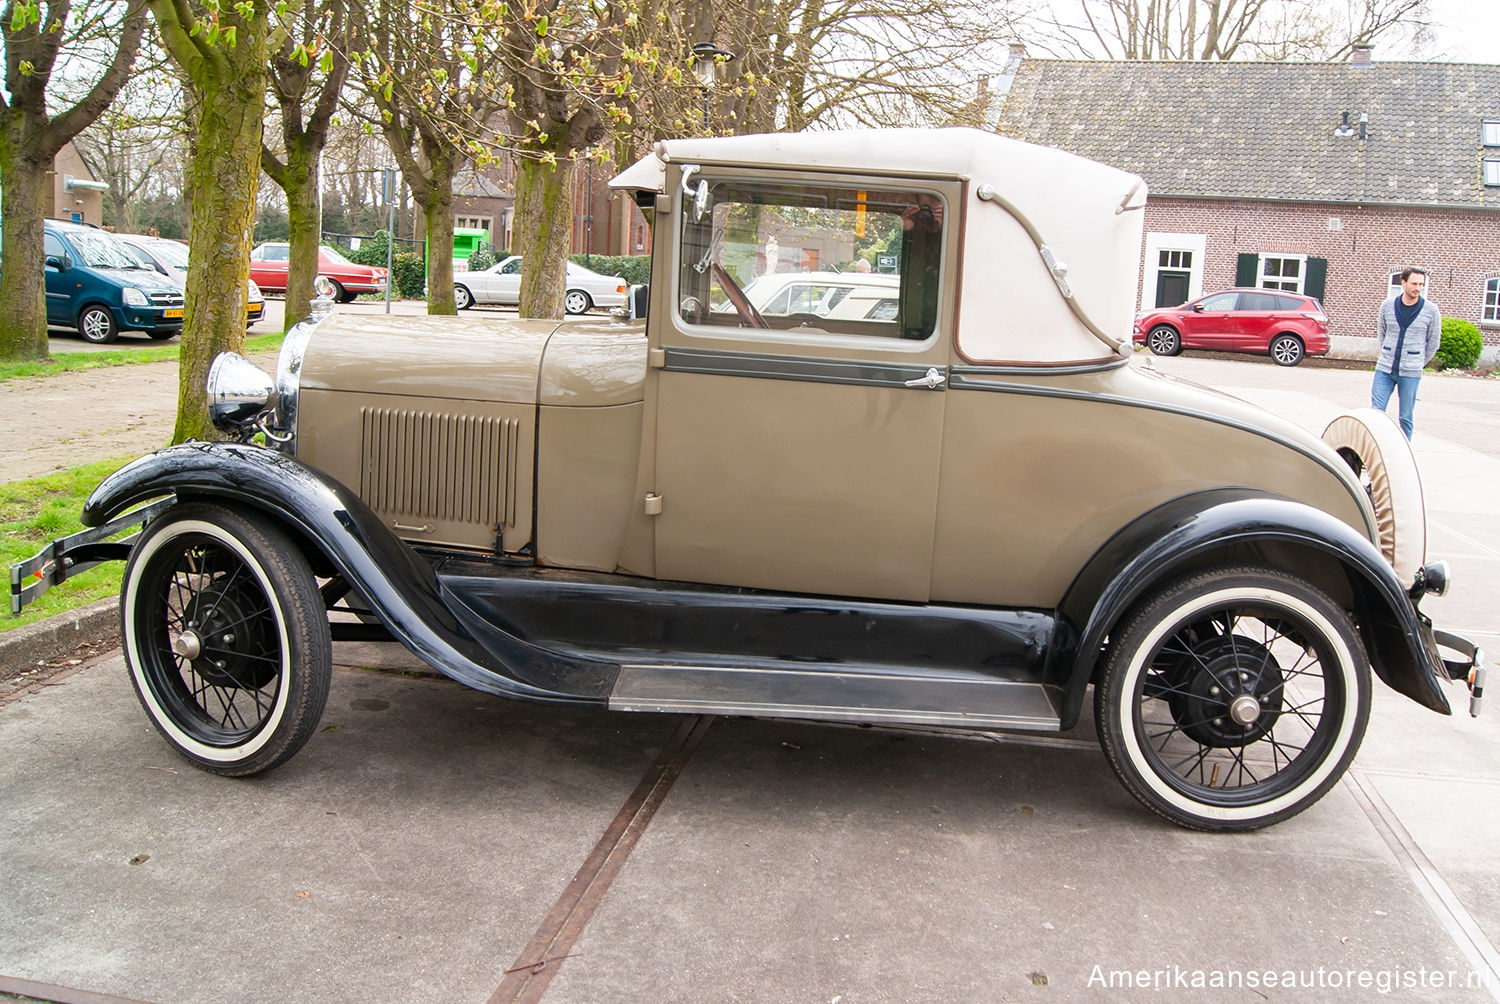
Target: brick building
[{"x": 1327, "y": 179}]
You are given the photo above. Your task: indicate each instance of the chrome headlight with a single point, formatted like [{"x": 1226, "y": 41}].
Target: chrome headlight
[
  {"x": 134, "y": 297},
  {"x": 239, "y": 395}
]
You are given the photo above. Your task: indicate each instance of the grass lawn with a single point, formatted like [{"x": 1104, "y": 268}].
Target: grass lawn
[
  {"x": 64, "y": 362},
  {"x": 38, "y": 510}
]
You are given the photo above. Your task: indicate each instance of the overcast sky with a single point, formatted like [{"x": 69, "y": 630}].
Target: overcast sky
[{"x": 1466, "y": 31}]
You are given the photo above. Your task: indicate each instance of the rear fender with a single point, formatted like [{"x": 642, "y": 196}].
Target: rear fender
[
  {"x": 401, "y": 587},
  {"x": 1232, "y": 526}
]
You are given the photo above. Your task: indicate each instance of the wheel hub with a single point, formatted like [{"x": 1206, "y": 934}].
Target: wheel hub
[
  {"x": 223, "y": 635},
  {"x": 1227, "y": 692}
]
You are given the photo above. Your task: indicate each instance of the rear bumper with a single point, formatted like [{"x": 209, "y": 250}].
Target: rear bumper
[{"x": 1469, "y": 666}]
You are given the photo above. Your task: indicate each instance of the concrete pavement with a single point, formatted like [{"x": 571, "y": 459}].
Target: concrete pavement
[{"x": 418, "y": 844}]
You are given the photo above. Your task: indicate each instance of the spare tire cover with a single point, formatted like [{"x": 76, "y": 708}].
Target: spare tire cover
[{"x": 1375, "y": 447}]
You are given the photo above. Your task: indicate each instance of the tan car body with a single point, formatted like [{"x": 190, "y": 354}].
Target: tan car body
[{"x": 967, "y": 509}]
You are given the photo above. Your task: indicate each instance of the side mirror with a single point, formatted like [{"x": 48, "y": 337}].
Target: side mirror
[
  {"x": 60, "y": 262},
  {"x": 1198, "y": 308}
]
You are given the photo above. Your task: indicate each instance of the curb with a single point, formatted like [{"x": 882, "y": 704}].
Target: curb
[{"x": 49, "y": 639}]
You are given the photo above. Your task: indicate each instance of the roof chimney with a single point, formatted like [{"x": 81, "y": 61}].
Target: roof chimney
[{"x": 1359, "y": 54}]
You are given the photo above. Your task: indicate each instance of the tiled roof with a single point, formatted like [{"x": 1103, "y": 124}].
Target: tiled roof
[{"x": 1266, "y": 130}]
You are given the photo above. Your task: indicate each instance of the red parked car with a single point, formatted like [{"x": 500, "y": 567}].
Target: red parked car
[
  {"x": 1285, "y": 326},
  {"x": 268, "y": 265}
]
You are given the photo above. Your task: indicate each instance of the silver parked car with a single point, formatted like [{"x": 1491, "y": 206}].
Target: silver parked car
[{"x": 501, "y": 283}]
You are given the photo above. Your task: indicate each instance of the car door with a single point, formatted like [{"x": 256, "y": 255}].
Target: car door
[
  {"x": 1210, "y": 322},
  {"x": 1255, "y": 316},
  {"x": 790, "y": 456},
  {"x": 60, "y": 288}
]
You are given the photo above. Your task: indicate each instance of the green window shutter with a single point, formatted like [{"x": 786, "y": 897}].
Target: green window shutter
[
  {"x": 1248, "y": 270},
  {"x": 1317, "y": 277}
]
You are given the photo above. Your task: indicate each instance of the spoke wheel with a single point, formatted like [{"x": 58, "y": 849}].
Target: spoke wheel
[
  {"x": 576, "y": 302},
  {"x": 1233, "y": 699},
  {"x": 224, "y": 632},
  {"x": 96, "y": 325},
  {"x": 1164, "y": 341},
  {"x": 462, "y": 298},
  {"x": 1286, "y": 350}
]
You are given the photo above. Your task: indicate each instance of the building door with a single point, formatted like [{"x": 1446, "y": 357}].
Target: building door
[{"x": 1171, "y": 288}]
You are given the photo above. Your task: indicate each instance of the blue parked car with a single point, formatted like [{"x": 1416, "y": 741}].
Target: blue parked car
[{"x": 96, "y": 285}]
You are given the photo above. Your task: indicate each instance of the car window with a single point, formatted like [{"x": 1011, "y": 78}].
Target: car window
[
  {"x": 142, "y": 258},
  {"x": 174, "y": 254},
  {"x": 100, "y": 250},
  {"x": 274, "y": 252},
  {"x": 512, "y": 267},
  {"x": 1260, "y": 301},
  {"x": 1219, "y": 301},
  {"x": 52, "y": 247},
  {"x": 1289, "y": 303},
  {"x": 841, "y": 239},
  {"x": 333, "y": 255}
]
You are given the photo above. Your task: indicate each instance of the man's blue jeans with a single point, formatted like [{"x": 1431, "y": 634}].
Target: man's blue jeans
[{"x": 1406, "y": 389}]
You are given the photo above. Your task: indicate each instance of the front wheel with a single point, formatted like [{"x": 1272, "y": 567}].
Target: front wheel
[
  {"x": 97, "y": 325},
  {"x": 1233, "y": 698},
  {"x": 577, "y": 302},
  {"x": 1163, "y": 340},
  {"x": 225, "y": 637},
  {"x": 1286, "y": 350}
]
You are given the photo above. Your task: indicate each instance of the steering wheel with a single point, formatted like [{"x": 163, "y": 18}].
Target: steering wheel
[{"x": 749, "y": 316}]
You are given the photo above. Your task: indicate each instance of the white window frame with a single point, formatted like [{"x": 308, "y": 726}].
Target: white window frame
[
  {"x": 1196, "y": 244},
  {"x": 1261, "y": 278},
  {"x": 1489, "y": 301},
  {"x": 1492, "y": 172},
  {"x": 485, "y": 223},
  {"x": 1489, "y": 132}
]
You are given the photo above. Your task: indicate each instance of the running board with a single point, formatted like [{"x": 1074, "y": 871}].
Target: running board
[{"x": 876, "y": 697}]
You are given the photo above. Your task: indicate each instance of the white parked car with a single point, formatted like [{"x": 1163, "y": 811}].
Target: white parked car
[
  {"x": 853, "y": 296},
  {"x": 170, "y": 258},
  {"x": 501, "y": 283}
]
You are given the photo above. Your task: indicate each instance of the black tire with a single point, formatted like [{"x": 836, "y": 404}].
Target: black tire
[
  {"x": 97, "y": 325},
  {"x": 462, "y": 298},
  {"x": 1233, "y": 698},
  {"x": 226, "y": 638},
  {"x": 576, "y": 301},
  {"x": 163, "y": 334},
  {"x": 1163, "y": 340},
  {"x": 1286, "y": 350}
]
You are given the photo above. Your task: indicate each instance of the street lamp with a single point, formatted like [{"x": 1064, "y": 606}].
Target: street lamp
[{"x": 707, "y": 58}]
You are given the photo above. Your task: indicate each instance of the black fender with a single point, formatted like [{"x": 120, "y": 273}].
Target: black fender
[
  {"x": 401, "y": 587},
  {"x": 1234, "y": 525}
]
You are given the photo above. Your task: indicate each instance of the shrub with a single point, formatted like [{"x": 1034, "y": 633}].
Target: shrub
[
  {"x": 370, "y": 252},
  {"x": 1460, "y": 347},
  {"x": 482, "y": 258},
  {"x": 409, "y": 272},
  {"x": 632, "y": 268}
]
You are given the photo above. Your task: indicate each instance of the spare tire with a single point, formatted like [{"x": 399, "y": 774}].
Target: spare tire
[{"x": 1375, "y": 449}]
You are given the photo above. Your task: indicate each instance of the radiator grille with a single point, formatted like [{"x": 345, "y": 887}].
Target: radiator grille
[{"x": 435, "y": 466}]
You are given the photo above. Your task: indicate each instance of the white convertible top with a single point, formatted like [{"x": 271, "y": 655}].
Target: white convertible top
[{"x": 1022, "y": 199}]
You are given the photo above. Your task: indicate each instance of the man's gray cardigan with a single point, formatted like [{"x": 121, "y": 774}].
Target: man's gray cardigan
[{"x": 1422, "y": 338}]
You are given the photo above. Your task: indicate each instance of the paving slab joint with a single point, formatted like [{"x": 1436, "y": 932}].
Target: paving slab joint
[{"x": 25, "y": 647}]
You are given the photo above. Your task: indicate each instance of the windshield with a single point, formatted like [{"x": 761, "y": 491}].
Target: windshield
[
  {"x": 174, "y": 254},
  {"x": 100, "y": 250}
]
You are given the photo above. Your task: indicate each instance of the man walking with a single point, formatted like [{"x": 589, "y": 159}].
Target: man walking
[{"x": 1410, "y": 330}]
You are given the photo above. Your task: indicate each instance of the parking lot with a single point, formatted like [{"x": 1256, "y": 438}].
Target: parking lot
[{"x": 430, "y": 838}]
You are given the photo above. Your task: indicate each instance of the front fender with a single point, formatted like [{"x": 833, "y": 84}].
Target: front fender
[
  {"x": 401, "y": 587},
  {"x": 1227, "y": 526}
]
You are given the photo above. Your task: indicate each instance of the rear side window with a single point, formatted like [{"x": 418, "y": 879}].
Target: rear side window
[
  {"x": 1261, "y": 301},
  {"x": 824, "y": 259}
]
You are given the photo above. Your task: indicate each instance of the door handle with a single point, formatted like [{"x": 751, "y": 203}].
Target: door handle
[{"x": 933, "y": 379}]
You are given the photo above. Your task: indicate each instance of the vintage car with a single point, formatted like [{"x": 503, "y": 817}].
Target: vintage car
[
  {"x": 973, "y": 511},
  {"x": 270, "y": 262}
]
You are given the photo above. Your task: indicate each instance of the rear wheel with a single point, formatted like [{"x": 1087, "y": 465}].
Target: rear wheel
[
  {"x": 340, "y": 295},
  {"x": 462, "y": 298},
  {"x": 225, "y": 637},
  {"x": 577, "y": 302},
  {"x": 1286, "y": 350},
  {"x": 1234, "y": 698},
  {"x": 97, "y": 325},
  {"x": 1163, "y": 340}
]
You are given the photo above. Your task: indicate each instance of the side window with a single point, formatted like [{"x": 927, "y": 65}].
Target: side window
[
  {"x": 824, "y": 259},
  {"x": 52, "y": 247},
  {"x": 1289, "y": 303},
  {"x": 1219, "y": 301},
  {"x": 1259, "y": 301},
  {"x": 512, "y": 267}
]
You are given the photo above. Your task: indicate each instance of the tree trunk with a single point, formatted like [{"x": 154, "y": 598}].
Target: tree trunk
[
  {"x": 437, "y": 215},
  {"x": 225, "y": 173},
  {"x": 544, "y": 202},
  {"x": 23, "y": 324},
  {"x": 300, "y": 181}
]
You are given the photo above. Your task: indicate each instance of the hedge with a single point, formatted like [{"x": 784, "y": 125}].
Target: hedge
[
  {"x": 633, "y": 268},
  {"x": 1460, "y": 346}
]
